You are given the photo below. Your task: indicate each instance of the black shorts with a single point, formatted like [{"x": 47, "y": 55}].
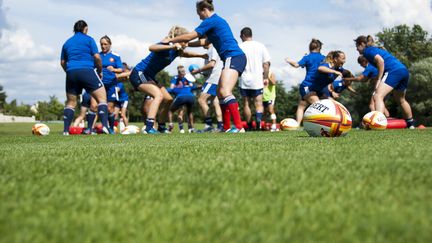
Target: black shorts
[
  {"x": 237, "y": 63},
  {"x": 137, "y": 78}
]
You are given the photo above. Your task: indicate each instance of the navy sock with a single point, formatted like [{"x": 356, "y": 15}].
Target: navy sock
[
  {"x": 259, "y": 117},
  {"x": 181, "y": 125},
  {"x": 103, "y": 114},
  {"x": 220, "y": 125},
  {"x": 149, "y": 124},
  {"x": 91, "y": 116},
  {"x": 208, "y": 121},
  {"x": 162, "y": 126},
  {"x": 409, "y": 122},
  {"x": 68, "y": 115},
  {"x": 111, "y": 119}
]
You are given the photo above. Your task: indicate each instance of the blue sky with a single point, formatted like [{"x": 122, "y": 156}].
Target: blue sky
[{"x": 32, "y": 32}]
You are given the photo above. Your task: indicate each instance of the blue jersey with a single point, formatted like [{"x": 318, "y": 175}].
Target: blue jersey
[
  {"x": 370, "y": 71},
  {"x": 181, "y": 87},
  {"x": 323, "y": 79},
  {"x": 156, "y": 62},
  {"x": 110, "y": 59},
  {"x": 391, "y": 63},
  {"x": 220, "y": 35},
  {"x": 78, "y": 52},
  {"x": 311, "y": 62},
  {"x": 122, "y": 94}
]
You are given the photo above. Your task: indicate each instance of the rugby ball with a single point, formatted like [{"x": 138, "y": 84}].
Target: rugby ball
[
  {"x": 40, "y": 129},
  {"x": 289, "y": 124},
  {"x": 327, "y": 118},
  {"x": 131, "y": 129},
  {"x": 374, "y": 120}
]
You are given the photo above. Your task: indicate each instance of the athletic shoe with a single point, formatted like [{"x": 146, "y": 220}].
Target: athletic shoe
[
  {"x": 235, "y": 130},
  {"x": 164, "y": 131},
  {"x": 217, "y": 130},
  {"x": 151, "y": 131},
  {"x": 191, "y": 130},
  {"x": 89, "y": 131},
  {"x": 65, "y": 134},
  {"x": 274, "y": 130},
  {"x": 206, "y": 129},
  {"x": 105, "y": 130},
  {"x": 411, "y": 127},
  {"x": 111, "y": 131},
  {"x": 182, "y": 131},
  {"x": 170, "y": 127}
]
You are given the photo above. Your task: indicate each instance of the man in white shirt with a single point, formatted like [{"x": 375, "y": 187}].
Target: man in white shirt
[{"x": 252, "y": 79}]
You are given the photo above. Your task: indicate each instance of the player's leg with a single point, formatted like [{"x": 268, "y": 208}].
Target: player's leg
[
  {"x": 81, "y": 116},
  {"x": 124, "y": 113},
  {"x": 258, "y": 100},
  {"x": 399, "y": 97},
  {"x": 155, "y": 92},
  {"x": 273, "y": 117},
  {"x": 202, "y": 100},
  {"x": 69, "y": 111},
  {"x": 247, "y": 111},
  {"x": 218, "y": 111},
  {"x": 164, "y": 110}
]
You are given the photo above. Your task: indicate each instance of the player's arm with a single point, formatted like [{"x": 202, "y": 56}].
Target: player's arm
[
  {"x": 183, "y": 38},
  {"x": 198, "y": 43},
  {"x": 63, "y": 64},
  {"x": 380, "y": 66},
  {"x": 193, "y": 54},
  {"x": 124, "y": 76},
  {"x": 98, "y": 63},
  {"x": 206, "y": 67},
  {"x": 162, "y": 47},
  {"x": 266, "y": 68},
  {"x": 324, "y": 69},
  {"x": 292, "y": 63},
  {"x": 360, "y": 78},
  {"x": 272, "y": 79}
]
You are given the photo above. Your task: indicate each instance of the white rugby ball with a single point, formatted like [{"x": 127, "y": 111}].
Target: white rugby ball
[
  {"x": 40, "y": 129},
  {"x": 327, "y": 118},
  {"x": 374, "y": 120},
  {"x": 289, "y": 124},
  {"x": 131, "y": 129}
]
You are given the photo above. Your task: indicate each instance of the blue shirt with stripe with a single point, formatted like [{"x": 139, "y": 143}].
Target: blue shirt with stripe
[
  {"x": 391, "y": 63},
  {"x": 219, "y": 33},
  {"x": 323, "y": 79},
  {"x": 78, "y": 52},
  {"x": 110, "y": 59},
  {"x": 311, "y": 62},
  {"x": 156, "y": 62},
  {"x": 370, "y": 71}
]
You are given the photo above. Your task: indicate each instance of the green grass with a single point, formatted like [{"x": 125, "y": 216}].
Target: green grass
[{"x": 254, "y": 187}]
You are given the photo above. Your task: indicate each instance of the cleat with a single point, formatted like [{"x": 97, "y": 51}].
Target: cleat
[
  {"x": 207, "y": 129},
  {"x": 182, "y": 131},
  {"x": 235, "y": 130},
  {"x": 151, "y": 131},
  {"x": 65, "y": 134},
  {"x": 191, "y": 130}
]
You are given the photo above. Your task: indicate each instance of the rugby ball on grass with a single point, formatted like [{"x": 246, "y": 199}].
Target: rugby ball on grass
[
  {"x": 131, "y": 129},
  {"x": 40, "y": 129},
  {"x": 327, "y": 118},
  {"x": 289, "y": 124},
  {"x": 374, "y": 120}
]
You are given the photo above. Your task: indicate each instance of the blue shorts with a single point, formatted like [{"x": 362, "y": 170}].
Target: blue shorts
[
  {"x": 111, "y": 91},
  {"x": 79, "y": 79},
  {"x": 86, "y": 97},
  {"x": 180, "y": 101},
  {"x": 268, "y": 103},
  {"x": 138, "y": 77},
  {"x": 122, "y": 104},
  {"x": 237, "y": 63},
  {"x": 304, "y": 90},
  {"x": 398, "y": 79},
  {"x": 210, "y": 89},
  {"x": 251, "y": 92}
]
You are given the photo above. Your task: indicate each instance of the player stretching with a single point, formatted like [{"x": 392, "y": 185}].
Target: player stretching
[
  {"x": 143, "y": 77},
  {"x": 218, "y": 32}
]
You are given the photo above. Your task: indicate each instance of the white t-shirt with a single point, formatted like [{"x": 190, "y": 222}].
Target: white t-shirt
[
  {"x": 256, "y": 55},
  {"x": 217, "y": 69}
]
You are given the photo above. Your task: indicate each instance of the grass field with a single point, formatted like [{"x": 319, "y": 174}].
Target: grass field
[{"x": 253, "y": 187}]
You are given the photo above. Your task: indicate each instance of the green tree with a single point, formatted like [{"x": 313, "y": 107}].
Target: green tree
[
  {"x": 421, "y": 86},
  {"x": 51, "y": 110},
  {"x": 407, "y": 44},
  {"x": 3, "y": 97}
]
